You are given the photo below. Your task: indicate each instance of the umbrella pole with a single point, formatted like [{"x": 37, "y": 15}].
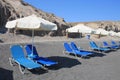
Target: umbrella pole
[{"x": 32, "y": 40}]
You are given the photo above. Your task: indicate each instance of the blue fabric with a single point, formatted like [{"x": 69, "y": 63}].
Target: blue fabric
[
  {"x": 115, "y": 44},
  {"x": 17, "y": 52},
  {"x": 31, "y": 54},
  {"x": 94, "y": 46},
  {"x": 27, "y": 63},
  {"x": 18, "y": 56},
  {"x": 68, "y": 48},
  {"x": 74, "y": 47},
  {"x": 109, "y": 46},
  {"x": 46, "y": 61},
  {"x": 81, "y": 53},
  {"x": 34, "y": 56},
  {"x": 72, "y": 51}
]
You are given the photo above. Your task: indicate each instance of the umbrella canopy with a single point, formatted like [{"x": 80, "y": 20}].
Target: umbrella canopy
[
  {"x": 118, "y": 34},
  {"x": 80, "y": 28},
  {"x": 31, "y": 22},
  {"x": 101, "y": 31},
  {"x": 112, "y": 33}
]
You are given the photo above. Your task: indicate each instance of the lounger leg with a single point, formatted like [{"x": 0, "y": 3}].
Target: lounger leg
[
  {"x": 90, "y": 49},
  {"x": 11, "y": 62},
  {"x": 44, "y": 68},
  {"x": 76, "y": 56},
  {"x": 64, "y": 52},
  {"x": 101, "y": 51},
  {"x": 22, "y": 69}
]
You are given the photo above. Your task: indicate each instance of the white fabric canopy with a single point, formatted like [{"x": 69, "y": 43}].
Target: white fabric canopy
[
  {"x": 31, "y": 22},
  {"x": 80, "y": 28},
  {"x": 101, "y": 31},
  {"x": 11, "y": 24},
  {"x": 112, "y": 33},
  {"x": 118, "y": 34}
]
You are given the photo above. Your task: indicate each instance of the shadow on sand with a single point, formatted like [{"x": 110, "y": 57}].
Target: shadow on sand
[
  {"x": 63, "y": 62},
  {"x": 97, "y": 54},
  {"x": 6, "y": 74},
  {"x": 38, "y": 71},
  {"x": 1, "y": 41}
]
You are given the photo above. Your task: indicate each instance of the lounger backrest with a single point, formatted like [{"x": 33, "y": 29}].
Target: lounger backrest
[
  {"x": 67, "y": 47},
  {"x": 113, "y": 42},
  {"x": 17, "y": 51},
  {"x": 73, "y": 45},
  {"x": 28, "y": 49},
  {"x": 105, "y": 43},
  {"x": 93, "y": 44}
]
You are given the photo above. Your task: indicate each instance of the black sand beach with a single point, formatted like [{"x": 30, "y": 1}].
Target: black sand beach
[{"x": 102, "y": 66}]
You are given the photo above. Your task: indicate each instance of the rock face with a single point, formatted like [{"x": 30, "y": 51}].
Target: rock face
[
  {"x": 107, "y": 25},
  {"x": 13, "y": 9}
]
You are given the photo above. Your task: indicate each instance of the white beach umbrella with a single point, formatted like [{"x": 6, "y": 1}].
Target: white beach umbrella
[
  {"x": 31, "y": 22},
  {"x": 118, "y": 34},
  {"x": 80, "y": 28},
  {"x": 101, "y": 31},
  {"x": 112, "y": 33}
]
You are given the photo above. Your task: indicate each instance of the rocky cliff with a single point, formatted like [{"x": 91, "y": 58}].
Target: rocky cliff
[{"x": 13, "y": 9}]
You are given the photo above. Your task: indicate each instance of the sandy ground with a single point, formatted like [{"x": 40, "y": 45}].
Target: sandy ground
[{"x": 101, "y": 66}]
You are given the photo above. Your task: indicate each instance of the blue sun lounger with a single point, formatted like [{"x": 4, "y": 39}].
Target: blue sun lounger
[
  {"x": 34, "y": 56},
  {"x": 69, "y": 50},
  {"x": 94, "y": 46},
  {"x": 74, "y": 47},
  {"x": 105, "y": 44},
  {"x": 18, "y": 57},
  {"x": 115, "y": 44}
]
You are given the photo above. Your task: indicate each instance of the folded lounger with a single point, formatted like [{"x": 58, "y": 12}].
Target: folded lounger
[
  {"x": 94, "y": 46},
  {"x": 17, "y": 54},
  {"x": 32, "y": 54},
  {"x": 69, "y": 50}
]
